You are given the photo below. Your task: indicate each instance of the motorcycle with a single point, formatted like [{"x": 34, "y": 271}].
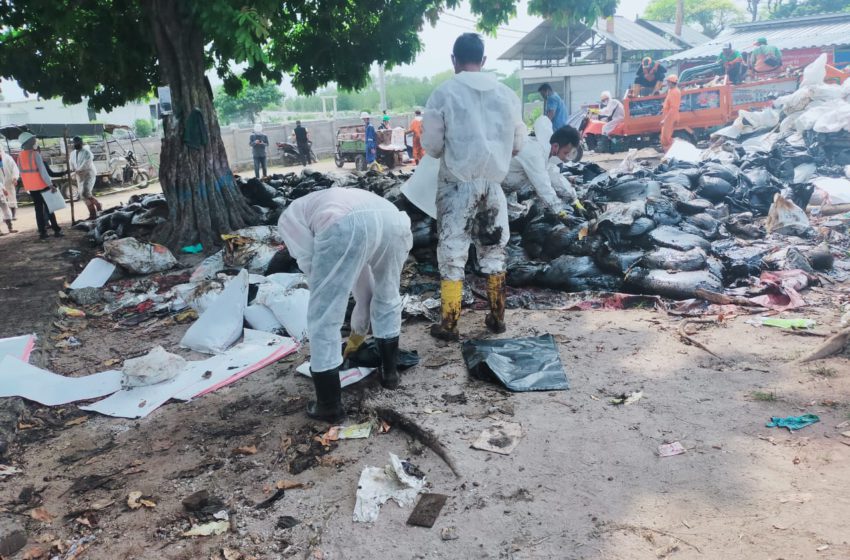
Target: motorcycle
[
  {"x": 288, "y": 152},
  {"x": 127, "y": 170}
]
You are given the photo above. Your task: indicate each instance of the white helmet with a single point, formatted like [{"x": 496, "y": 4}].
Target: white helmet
[
  {"x": 605, "y": 95},
  {"x": 365, "y": 115},
  {"x": 258, "y": 128}
]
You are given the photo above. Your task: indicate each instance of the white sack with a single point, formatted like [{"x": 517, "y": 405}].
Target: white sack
[{"x": 221, "y": 324}]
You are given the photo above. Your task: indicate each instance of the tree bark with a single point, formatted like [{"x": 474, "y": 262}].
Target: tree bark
[{"x": 203, "y": 199}]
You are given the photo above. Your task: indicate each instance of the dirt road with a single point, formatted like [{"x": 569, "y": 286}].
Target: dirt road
[{"x": 585, "y": 482}]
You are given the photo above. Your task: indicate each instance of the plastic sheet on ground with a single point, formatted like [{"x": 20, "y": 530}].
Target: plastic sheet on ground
[
  {"x": 198, "y": 378},
  {"x": 221, "y": 324},
  {"x": 682, "y": 150},
  {"x": 379, "y": 485},
  {"x": 20, "y": 379},
  {"x": 94, "y": 275},
  {"x": 347, "y": 377},
  {"x": 520, "y": 364},
  {"x": 17, "y": 346}
]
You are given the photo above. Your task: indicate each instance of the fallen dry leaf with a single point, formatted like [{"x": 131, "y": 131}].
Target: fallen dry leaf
[
  {"x": 101, "y": 504},
  {"x": 25, "y": 426},
  {"x": 76, "y": 421},
  {"x": 245, "y": 450},
  {"x": 135, "y": 500},
  {"x": 111, "y": 361},
  {"x": 288, "y": 484},
  {"x": 41, "y": 514},
  {"x": 230, "y": 554},
  {"x": 34, "y": 553}
]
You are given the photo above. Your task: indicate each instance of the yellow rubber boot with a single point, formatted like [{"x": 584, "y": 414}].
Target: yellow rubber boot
[
  {"x": 495, "y": 320},
  {"x": 355, "y": 340},
  {"x": 450, "y": 296}
]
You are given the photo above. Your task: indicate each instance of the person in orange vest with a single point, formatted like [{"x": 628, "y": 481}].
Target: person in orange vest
[
  {"x": 670, "y": 111},
  {"x": 36, "y": 178},
  {"x": 416, "y": 129}
]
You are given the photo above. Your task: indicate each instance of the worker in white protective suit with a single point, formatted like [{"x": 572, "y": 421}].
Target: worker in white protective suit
[
  {"x": 348, "y": 240},
  {"x": 474, "y": 125},
  {"x": 82, "y": 166},
  {"x": 9, "y": 175},
  {"x": 536, "y": 164},
  {"x": 611, "y": 111}
]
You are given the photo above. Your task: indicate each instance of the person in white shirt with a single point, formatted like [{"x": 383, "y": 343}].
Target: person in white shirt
[
  {"x": 9, "y": 175},
  {"x": 611, "y": 111},
  {"x": 473, "y": 124},
  {"x": 82, "y": 166},
  {"x": 348, "y": 240}
]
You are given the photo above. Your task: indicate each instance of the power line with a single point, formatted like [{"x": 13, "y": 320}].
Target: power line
[
  {"x": 467, "y": 28},
  {"x": 475, "y": 22}
]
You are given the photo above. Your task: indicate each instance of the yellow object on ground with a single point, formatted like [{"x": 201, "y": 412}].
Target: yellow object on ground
[{"x": 355, "y": 340}]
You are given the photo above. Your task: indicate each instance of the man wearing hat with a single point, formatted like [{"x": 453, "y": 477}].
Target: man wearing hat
[
  {"x": 36, "y": 178},
  {"x": 649, "y": 77},
  {"x": 764, "y": 57},
  {"x": 82, "y": 165},
  {"x": 733, "y": 64},
  {"x": 670, "y": 111}
]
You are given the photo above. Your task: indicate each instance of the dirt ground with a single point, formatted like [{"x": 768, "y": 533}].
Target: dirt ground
[{"x": 585, "y": 481}]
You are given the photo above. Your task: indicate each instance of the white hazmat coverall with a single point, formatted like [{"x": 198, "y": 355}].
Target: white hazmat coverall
[
  {"x": 615, "y": 112},
  {"x": 473, "y": 124},
  {"x": 347, "y": 240},
  {"x": 533, "y": 165},
  {"x": 9, "y": 174}
]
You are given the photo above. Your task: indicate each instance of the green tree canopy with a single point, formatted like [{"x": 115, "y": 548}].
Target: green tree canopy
[
  {"x": 778, "y": 9},
  {"x": 711, "y": 15},
  {"x": 248, "y": 103},
  {"x": 116, "y": 51}
]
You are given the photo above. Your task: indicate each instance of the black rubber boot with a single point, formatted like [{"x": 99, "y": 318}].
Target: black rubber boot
[
  {"x": 328, "y": 403},
  {"x": 388, "y": 349}
]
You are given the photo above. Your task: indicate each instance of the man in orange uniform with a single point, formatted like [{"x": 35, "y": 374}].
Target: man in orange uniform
[
  {"x": 416, "y": 129},
  {"x": 670, "y": 111}
]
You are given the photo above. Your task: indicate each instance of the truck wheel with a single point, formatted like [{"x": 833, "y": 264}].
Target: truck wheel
[
  {"x": 360, "y": 163},
  {"x": 338, "y": 160}
]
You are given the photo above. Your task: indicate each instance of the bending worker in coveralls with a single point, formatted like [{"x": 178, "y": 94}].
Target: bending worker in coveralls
[
  {"x": 473, "y": 124},
  {"x": 348, "y": 240}
]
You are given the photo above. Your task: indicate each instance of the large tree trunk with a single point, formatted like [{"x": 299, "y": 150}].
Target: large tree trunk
[{"x": 203, "y": 199}]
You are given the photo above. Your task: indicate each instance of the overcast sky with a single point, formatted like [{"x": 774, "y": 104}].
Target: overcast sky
[{"x": 438, "y": 42}]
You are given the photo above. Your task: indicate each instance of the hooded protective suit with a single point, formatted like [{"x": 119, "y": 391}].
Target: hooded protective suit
[
  {"x": 474, "y": 125},
  {"x": 347, "y": 240},
  {"x": 533, "y": 165},
  {"x": 82, "y": 165},
  {"x": 9, "y": 175}
]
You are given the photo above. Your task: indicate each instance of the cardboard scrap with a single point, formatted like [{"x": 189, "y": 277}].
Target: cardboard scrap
[
  {"x": 501, "y": 437},
  {"x": 670, "y": 449},
  {"x": 427, "y": 510}
]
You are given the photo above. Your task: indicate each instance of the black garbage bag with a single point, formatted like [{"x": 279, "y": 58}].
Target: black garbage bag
[
  {"x": 535, "y": 233},
  {"x": 727, "y": 172},
  {"x": 694, "y": 206},
  {"x": 742, "y": 225},
  {"x": 800, "y": 194},
  {"x": 618, "y": 262},
  {"x": 576, "y": 274},
  {"x": 627, "y": 190},
  {"x": 369, "y": 356},
  {"x": 424, "y": 232},
  {"x": 520, "y": 364},
  {"x": 668, "y": 236},
  {"x": 640, "y": 227},
  {"x": 740, "y": 261},
  {"x": 258, "y": 192},
  {"x": 671, "y": 259},
  {"x": 714, "y": 188},
  {"x": 707, "y": 225},
  {"x": 676, "y": 285},
  {"x": 663, "y": 211},
  {"x": 675, "y": 177},
  {"x": 282, "y": 261},
  {"x": 524, "y": 274}
]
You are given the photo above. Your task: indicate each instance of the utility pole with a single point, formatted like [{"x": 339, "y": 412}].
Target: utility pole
[
  {"x": 382, "y": 87},
  {"x": 680, "y": 16}
]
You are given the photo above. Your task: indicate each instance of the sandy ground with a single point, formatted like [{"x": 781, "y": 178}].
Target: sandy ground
[{"x": 585, "y": 481}]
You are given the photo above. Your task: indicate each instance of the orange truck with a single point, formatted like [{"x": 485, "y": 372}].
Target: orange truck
[{"x": 702, "y": 111}]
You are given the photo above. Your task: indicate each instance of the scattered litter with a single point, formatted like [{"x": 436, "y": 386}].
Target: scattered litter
[
  {"x": 66, "y": 311},
  {"x": 427, "y": 510},
  {"x": 670, "y": 449},
  {"x": 221, "y": 324},
  {"x": 138, "y": 257},
  {"x": 154, "y": 367},
  {"x": 355, "y": 431},
  {"x": 192, "y": 249},
  {"x": 346, "y": 376},
  {"x": 20, "y": 379},
  {"x": 793, "y": 423},
  {"x": 501, "y": 438},
  {"x": 783, "y": 323},
  {"x": 378, "y": 485},
  {"x": 136, "y": 500},
  {"x": 245, "y": 450},
  {"x": 449, "y": 533},
  {"x": 8, "y": 470},
  {"x": 41, "y": 514},
  {"x": 96, "y": 273},
  {"x": 208, "y": 529},
  {"x": 520, "y": 364},
  {"x": 286, "y": 522},
  {"x": 627, "y": 399}
]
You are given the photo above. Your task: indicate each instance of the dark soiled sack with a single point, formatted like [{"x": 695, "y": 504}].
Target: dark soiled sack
[
  {"x": 676, "y": 285},
  {"x": 667, "y": 236},
  {"x": 695, "y": 206},
  {"x": 258, "y": 192},
  {"x": 282, "y": 261},
  {"x": 640, "y": 227},
  {"x": 629, "y": 191},
  {"x": 577, "y": 274},
  {"x": 618, "y": 262},
  {"x": 424, "y": 232},
  {"x": 671, "y": 259},
  {"x": 663, "y": 211},
  {"x": 714, "y": 189},
  {"x": 524, "y": 274}
]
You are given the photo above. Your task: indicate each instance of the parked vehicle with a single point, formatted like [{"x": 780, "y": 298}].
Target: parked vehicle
[
  {"x": 351, "y": 147},
  {"x": 125, "y": 170},
  {"x": 290, "y": 155}
]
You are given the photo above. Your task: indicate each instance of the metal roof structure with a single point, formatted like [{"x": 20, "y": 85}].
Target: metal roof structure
[
  {"x": 690, "y": 37},
  {"x": 792, "y": 33},
  {"x": 548, "y": 42}
]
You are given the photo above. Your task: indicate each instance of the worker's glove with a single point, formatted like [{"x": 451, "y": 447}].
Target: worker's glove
[
  {"x": 568, "y": 219},
  {"x": 579, "y": 207},
  {"x": 355, "y": 340}
]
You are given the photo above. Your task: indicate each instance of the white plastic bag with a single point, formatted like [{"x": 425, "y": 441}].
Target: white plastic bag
[
  {"x": 221, "y": 324},
  {"x": 421, "y": 189},
  {"x": 815, "y": 72},
  {"x": 804, "y": 172},
  {"x": 682, "y": 150},
  {"x": 137, "y": 256},
  {"x": 837, "y": 190},
  {"x": 785, "y": 217},
  {"x": 208, "y": 268},
  {"x": 836, "y": 120},
  {"x": 154, "y": 367}
]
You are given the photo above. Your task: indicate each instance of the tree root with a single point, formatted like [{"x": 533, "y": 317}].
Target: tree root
[
  {"x": 424, "y": 435},
  {"x": 690, "y": 340},
  {"x": 833, "y": 345}
]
